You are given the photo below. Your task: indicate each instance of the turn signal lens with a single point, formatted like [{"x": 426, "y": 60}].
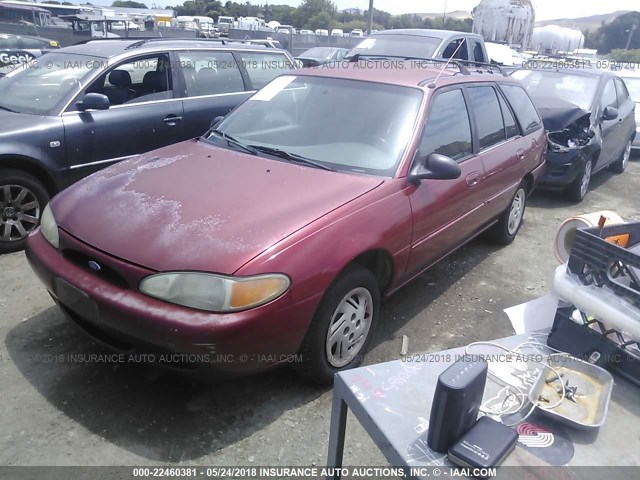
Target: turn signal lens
[{"x": 245, "y": 294}]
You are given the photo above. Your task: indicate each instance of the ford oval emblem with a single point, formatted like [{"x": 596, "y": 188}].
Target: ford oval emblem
[{"x": 95, "y": 266}]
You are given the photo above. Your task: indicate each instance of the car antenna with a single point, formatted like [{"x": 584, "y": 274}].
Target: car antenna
[{"x": 433, "y": 85}]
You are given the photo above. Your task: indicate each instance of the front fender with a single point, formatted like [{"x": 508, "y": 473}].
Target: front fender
[{"x": 314, "y": 256}]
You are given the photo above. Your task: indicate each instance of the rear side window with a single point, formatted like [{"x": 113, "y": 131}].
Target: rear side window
[
  {"x": 478, "y": 52},
  {"x": 510, "y": 125},
  {"x": 609, "y": 95},
  {"x": 210, "y": 73},
  {"x": 623, "y": 93},
  {"x": 456, "y": 49},
  {"x": 488, "y": 114},
  {"x": 523, "y": 107},
  {"x": 448, "y": 130},
  {"x": 264, "y": 67}
]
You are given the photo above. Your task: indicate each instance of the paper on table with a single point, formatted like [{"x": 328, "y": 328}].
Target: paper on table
[{"x": 534, "y": 315}]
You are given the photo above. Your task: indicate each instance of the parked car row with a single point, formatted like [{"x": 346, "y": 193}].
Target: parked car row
[{"x": 313, "y": 195}]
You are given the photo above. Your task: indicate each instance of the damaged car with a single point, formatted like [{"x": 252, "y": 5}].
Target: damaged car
[{"x": 590, "y": 120}]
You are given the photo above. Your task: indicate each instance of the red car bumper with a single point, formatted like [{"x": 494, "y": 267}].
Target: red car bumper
[{"x": 122, "y": 318}]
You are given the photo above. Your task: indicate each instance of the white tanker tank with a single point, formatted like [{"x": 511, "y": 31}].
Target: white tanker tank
[
  {"x": 504, "y": 21},
  {"x": 553, "y": 39}
]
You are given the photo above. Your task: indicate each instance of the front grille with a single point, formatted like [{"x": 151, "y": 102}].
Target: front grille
[{"x": 105, "y": 272}]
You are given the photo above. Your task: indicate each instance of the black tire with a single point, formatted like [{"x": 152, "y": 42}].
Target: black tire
[
  {"x": 14, "y": 183},
  {"x": 621, "y": 164},
  {"x": 504, "y": 232},
  {"x": 575, "y": 191},
  {"x": 315, "y": 364}
]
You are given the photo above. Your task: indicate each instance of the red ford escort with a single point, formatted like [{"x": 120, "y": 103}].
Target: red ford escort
[{"x": 280, "y": 231}]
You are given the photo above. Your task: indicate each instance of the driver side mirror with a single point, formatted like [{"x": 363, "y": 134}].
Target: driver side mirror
[
  {"x": 435, "y": 167},
  {"x": 216, "y": 121},
  {"x": 93, "y": 101},
  {"x": 610, "y": 113}
]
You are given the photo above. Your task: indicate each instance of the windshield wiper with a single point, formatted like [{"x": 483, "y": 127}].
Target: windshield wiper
[
  {"x": 7, "y": 109},
  {"x": 276, "y": 152},
  {"x": 232, "y": 141}
]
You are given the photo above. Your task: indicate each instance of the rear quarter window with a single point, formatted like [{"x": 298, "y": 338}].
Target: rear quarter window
[{"x": 523, "y": 107}]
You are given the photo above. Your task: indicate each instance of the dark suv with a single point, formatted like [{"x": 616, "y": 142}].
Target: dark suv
[{"x": 84, "y": 107}]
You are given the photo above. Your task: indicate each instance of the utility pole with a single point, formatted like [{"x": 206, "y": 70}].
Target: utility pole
[
  {"x": 631, "y": 32},
  {"x": 370, "y": 16},
  {"x": 444, "y": 14}
]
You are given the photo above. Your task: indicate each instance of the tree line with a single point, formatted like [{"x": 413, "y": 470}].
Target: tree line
[
  {"x": 314, "y": 14},
  {"x": 615, "y": 35}
]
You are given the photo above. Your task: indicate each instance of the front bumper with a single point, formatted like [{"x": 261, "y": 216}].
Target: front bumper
[
  {"x": 124, "y": 319},
  {"x": 562, "y": 168}
]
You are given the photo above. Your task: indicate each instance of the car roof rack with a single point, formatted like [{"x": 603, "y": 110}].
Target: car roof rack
[
  {"x": 144, "y": 40},
  {"x": 489, "y": 66},
  {"x": 463, "y": 70},
  {"x": 139, "y": 44}
]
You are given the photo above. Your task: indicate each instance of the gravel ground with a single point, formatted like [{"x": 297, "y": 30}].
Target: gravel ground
[{"x": 55, "y": 413}]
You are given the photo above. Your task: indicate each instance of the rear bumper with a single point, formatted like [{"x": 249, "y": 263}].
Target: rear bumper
[{"x": 126, "y": 320}]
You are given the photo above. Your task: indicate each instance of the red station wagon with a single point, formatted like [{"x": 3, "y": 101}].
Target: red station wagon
[{"x": 281, "y": 229}]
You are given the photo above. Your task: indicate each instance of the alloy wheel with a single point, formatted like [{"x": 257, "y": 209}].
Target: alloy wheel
[
  {"x": 349, "y": 327},
  {"x": 517, "y": 211},
  {"x": 586, "y": 178},
  {"x": 627, "y": 155},
  {"x": 19, "y": 212}
]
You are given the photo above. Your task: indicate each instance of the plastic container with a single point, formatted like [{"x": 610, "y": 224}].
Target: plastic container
[
  {"x": 567, "y": 232},
  {"x": 602, "y": 285},
  {"x": 599, "y": 262}
]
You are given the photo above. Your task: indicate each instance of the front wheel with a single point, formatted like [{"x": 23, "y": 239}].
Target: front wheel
[
  {"x": 578, "y": 189},
  {"x": 22, "y": 199},
  {"x": 341, "y": 328},
  {"x": 504, "y": 232}
]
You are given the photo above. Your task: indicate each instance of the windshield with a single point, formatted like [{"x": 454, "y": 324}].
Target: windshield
[
  {"x": 633, "y": 85},
  {"x": 37, "y": 87},
  {"x": 397, "y": 45},
  {"x": 576, "y": 89},
  {"x": 330, "y": 121},
  {"x": 319, "y": 52}
]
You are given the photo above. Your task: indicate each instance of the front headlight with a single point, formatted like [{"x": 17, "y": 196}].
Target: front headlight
[
  {"x": 215, "y": 293},
  {"x": 49, "y": 227}
]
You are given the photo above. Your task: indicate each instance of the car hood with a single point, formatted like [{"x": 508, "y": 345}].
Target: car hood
[
  {"x": 11, "y": 123},
  {"x": 558, "y": 114},
  {"x": 195, "y": 206}
]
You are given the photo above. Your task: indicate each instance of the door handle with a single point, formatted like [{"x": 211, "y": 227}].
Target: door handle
[
  {"x": 171, "y": 120},
  {"x": 473, "y": 179},
  {"x": 520, "y": 154}
]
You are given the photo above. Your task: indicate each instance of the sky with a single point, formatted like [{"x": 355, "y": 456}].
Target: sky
[{"x": 545, "y": 9}]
